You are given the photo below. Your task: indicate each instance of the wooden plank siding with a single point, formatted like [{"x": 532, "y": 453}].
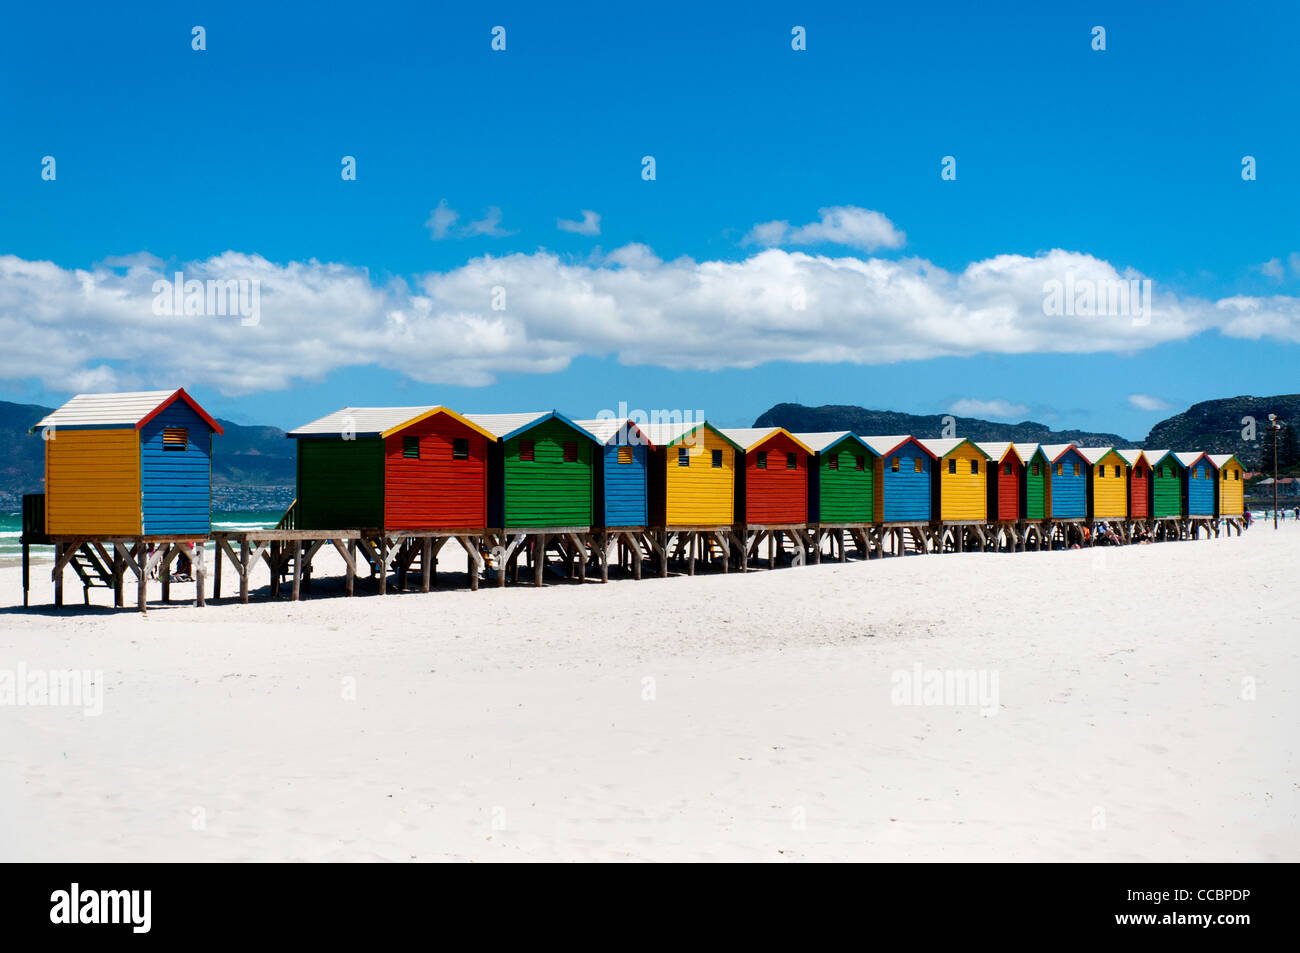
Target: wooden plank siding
[
  {"x": 434, "y": 490},
  {"x": 770, "y": 491},
  {"x": 1167, "y": 489},
  {"x": 1139, "y": 490},
  {"x": 621, "y": 484},
  {"x": 687, "y": 489},
  {"x": 960, "y": 484},
  {"x": 1035, "y": 486},
  {"x": 902, "y": 485},
  {"x": 92, "y": 483},
  {"x": 340, "y": 483},
  {"x": 1006, "y": 478},
  {"x": 1230, "y": 500},
  {"x": 1069, "y": 482},
  {"x": 176, "y": 484},
  {"x": 1108, "y": 487},
  {"x": 547, "y": 490},
  {"x": 842, "y": 484},
  {"x": 1199, "y": 480}
]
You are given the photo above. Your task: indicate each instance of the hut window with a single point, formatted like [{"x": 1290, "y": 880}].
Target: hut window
[
  {"x": 952, "y": 465},
  {"x": 860, "y": 462},
  {"x": 460, "y": 448},
  {"x": 1225, "y": 475},
  {"x": 526, "y": 450},
  {"x": 1160, "y": 471},
  {"x": 1101, "y": 471},
  {"x": 716, "y": 459},
  {"x": 1117, "y": 473},
  {"x": 624, "y": 456},
  {"x": 683, "y": 457},
  {"x": 762, "y": 460},
  {"x": 1034, "y": 469},
  {"x": 916, "y": 465},
  {"x": 1196, "y": 471},
  {"x": 834, "y": 463},
  {"x": 175, "y": 438},
  {"x": 1006, "y": 469},
  {"x": 974, "y": 466},
  {"x": 1236, "y": 474},
  {"x": 893, "y": 464},
  {"x": 411, "y": 448},
  {"x": 570, "y": 452},
  {"x": 1059, "y": 469},
  {"x": 792, "y": 461},
  {"x": 1076, "y": 468}
]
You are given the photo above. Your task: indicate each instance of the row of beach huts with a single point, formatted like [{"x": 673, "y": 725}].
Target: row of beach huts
[{"x": 127, "y": 495}]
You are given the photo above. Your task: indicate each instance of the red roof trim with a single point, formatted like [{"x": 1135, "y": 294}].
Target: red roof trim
[
  {"x": 181, "y": 395},
  {"x": 924, "y": 449}
]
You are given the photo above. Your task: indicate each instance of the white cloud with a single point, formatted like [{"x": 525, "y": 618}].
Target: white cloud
[
  {"x": 442, "y": 220},
  {"x": 996, "y": 409},
  {"x": 1272, "y": 269},
  {"x": 590, "y": 224},
  {"x": 95, "y": 329},
  {"x": 839, "y": 225},
  {"x": 1148, "y": 402}
]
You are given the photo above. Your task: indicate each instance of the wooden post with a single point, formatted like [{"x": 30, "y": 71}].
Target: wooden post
[
  {"x": 59, "y": 550},
  {"x": 142, "y": 560},
  {"x": 216, "y": 574},
  {"x": 27, "y": 570},
  {"x": 539, "y": 557},
  {"x": 602, "y": 541},
  {"x": 426, "y": 558},
  {"x": 275, "y": 568},
  {"x": 200, "y": 573},
  {"x": 690, "y": 553},
  {"x": 119, "y": 567},
  {"x": 383, "y": 565},
  {"x": 349, "y": 584},
  {"x": 297, "y": 569},
  {"x": 245, "y": 569},
  {"x": 164, "y": 572},
  {"x": 472, "y": 566}
]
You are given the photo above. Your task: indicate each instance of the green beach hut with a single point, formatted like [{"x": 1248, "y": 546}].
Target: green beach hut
[
  {"x": 842, "y": 478},
  {"x": 1166, "y": 484}
]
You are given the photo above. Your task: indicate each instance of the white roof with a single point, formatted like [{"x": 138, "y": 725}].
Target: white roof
[
  {"x": 1054, "y": 450},
  {"x": 1155, "y": 456},
  {"x": 1219, "y": 459},
  {"x": 1026, "y": 450},
  {"x": 607, "y": 429},
  {"x": 362, "y": 421},
  {"x": 746, "y": 437},
  {"x": 662, "y": 434},
  {"x": 501, "y": 424},
  {"x": 1094, "y": 454},
  {"x": 1131, "y": 456},
  {"x": 946, "y": 445},
  {"x": 1188, "y": 457},
  {"x": 817, "y": 442},
  {"x": 882, "y": 445},
  {"x": 997, "y": 451},
  {"x": 106, "y": 410}
]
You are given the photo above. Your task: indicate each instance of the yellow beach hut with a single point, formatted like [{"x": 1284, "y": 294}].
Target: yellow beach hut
[
  {"x": 1230, "y": 498},
  {"x": 960, "y": 481},
  {"x": 1107, "y": 483}
]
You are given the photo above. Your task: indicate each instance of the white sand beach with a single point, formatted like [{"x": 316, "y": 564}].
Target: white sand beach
[{"x": 1147, "y": 707}]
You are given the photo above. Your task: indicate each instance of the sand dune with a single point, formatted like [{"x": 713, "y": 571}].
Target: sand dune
[{"x": 709, "y": 718}]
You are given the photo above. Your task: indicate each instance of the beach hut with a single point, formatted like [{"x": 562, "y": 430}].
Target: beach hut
[
  {"x": 960, "y": 480},
  {"x": 1166, "y": 484},
  {"x": 1139, "y": 483},
  {"x": 1108, "y": 485},
  {"x": 1230, "y": 498},
  {"x": 541, "y": 471},
  {"x": 902, "y": 479},
  {"x": 128, "y": 464},
  {"x": 1067, "y": 477},
  {"x": 1199, "y": 476},
  {"x": 621, "y": 477},
  {"x": 391, "y": 469},
  {"x": 841, "y": 479},
  {"x": 692, "y": 484},
  {"x": 772, "y": 489},
  {"x": 1035, "y": 494},
  {"x": 1005, "y": 483}
]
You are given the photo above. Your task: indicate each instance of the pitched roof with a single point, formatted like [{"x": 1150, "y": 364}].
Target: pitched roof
[
  {"x": 128, "y": 409},
  {"x": 996, "y": 451},
  {"x": 941, "y": 447},
  {"x": 1094, "y": 454},
  {"x": 1155, "y": 457},
  {"x": 1189, "y": 458},
  {"x": 505, "y": 426},
  {"x": 817, "y": 442},
  {"x": 1054, "y": 451},
  {"x": 1220, "y": 459},
  {"x": 667, "y": 434},
  {"x": 606, "y": 430},
  {"x": 887, "y": 445},
  {"x": 359, "y": 421},
  {"x": 748, "y": 438},
  {"x": 1133, "y": 456}
]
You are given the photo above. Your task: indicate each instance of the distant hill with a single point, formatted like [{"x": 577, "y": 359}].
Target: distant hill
[
  {"x": 252, "y": 467},
  {"x": 1216, "y": 427},
  {"x": 797, "y": 417}
]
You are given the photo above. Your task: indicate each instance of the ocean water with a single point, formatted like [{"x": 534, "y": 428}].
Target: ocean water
[{"x": 11, "y": 528}]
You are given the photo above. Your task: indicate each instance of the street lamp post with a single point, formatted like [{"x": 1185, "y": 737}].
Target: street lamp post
[{"x": 1276, "y": 426}]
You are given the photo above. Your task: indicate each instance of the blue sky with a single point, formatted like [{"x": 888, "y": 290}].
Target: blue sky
[{"x": 1131, "y": 156}]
